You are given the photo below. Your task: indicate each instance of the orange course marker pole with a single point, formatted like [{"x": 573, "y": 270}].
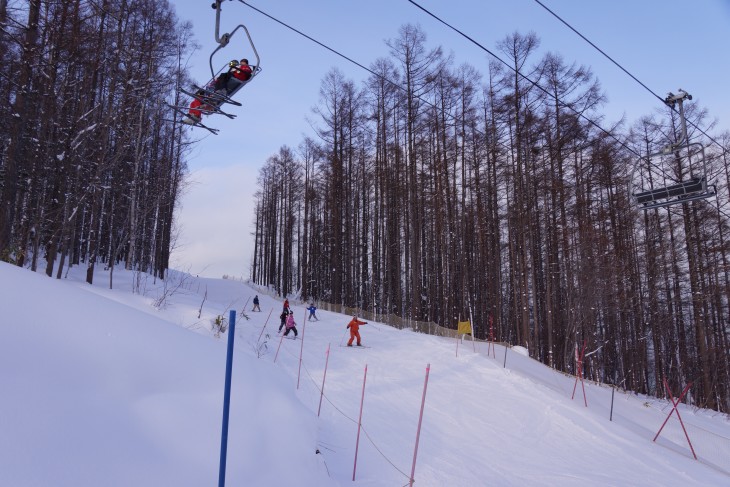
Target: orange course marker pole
[{"x": 420, "y": 420}]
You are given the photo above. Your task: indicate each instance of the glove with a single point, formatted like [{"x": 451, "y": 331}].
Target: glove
[{"x": 348, "y": 327}]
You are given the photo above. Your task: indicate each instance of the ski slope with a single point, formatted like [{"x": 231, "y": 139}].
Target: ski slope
[{"x": 100, "y": 388}]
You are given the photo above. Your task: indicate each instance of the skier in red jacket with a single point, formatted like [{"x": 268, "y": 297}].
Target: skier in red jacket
[
  {"x": 240, "y": 71},
  {"x": 354, "y": 326}
]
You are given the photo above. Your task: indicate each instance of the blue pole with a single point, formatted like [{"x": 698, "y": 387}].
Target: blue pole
[{"x": 227, "y": 398}]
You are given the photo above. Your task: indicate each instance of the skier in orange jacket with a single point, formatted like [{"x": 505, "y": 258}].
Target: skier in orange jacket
[{"x": 354, "y": 326}]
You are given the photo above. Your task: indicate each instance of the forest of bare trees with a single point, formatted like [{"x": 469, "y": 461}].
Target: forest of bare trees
[
  {"x": 91, "y": 170},
  {"x": 432, "y": 191},
  {"x": 440, "y": 192}
]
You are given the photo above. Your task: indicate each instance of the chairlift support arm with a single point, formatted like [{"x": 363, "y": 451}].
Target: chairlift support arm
[{"x": 225, "y": 38}]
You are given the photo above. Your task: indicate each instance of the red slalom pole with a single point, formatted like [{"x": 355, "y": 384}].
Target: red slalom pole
[
  {"x": 674, "y": 408},
  {"x": 321, "y": 395},
  {"x": 420, "y": 420},
  {"x": 359, "y": 422},
  {"x": 267, "y": 321},
  {"x": 301, "y": 348}
]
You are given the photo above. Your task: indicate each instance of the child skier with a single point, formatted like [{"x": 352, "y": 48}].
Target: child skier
[
  {"x": 354, "y": 326},
  {"x": 312, "y": 309},
  {"x": 284, "y": 314},
  {"x": 291, "y": 325}
]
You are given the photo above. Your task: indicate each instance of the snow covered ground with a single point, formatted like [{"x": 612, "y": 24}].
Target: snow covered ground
[{"x": 100, "y": 388}]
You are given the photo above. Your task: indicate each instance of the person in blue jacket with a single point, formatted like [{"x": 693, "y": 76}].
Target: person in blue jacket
[{"x": 312, "y": 310}]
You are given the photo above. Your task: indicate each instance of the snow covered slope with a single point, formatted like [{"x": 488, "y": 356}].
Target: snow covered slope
[{"x": 100, "y": 388}]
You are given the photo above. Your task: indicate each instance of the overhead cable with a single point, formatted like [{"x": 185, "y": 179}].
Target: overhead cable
[{"x": 625, "y": 70}]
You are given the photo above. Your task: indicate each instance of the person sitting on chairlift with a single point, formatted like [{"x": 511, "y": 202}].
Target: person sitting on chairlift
[{"x": 228, "y": 81}]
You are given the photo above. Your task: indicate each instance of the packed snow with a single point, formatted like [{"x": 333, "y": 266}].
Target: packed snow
[{"x": 100, "y": 387}]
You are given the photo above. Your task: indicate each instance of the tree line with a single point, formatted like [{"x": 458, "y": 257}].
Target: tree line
[
  {"x": 91, "y": 161},
  {"x": 439, "y": 193}
]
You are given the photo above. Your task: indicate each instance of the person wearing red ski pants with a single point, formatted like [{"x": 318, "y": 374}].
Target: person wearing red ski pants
[{"x": 354, "y": 327}]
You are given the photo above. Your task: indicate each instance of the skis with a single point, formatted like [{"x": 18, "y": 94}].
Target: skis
[
  {"x": 356, "y": 346},
  {"x": 211, "y": 104},
  {"x": 183, "y": 112}
]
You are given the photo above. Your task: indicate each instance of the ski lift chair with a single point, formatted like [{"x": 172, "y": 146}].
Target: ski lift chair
[
  {"x": 212, "y": 100},
  {"x": 675, "y": 175}
]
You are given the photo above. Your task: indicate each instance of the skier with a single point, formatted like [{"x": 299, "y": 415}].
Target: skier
[
  {"x": 354, "y": 326},
  {"x": 256, "y": 303},
  {"x": 237, "y": 74},
  {"x": 290, "y": 324},
  {"x": 226, "y": 82},
  {"x": 283, "y": 317},
  {"x": 286, "y": 305},
  {"x": 312, "y": 309}
]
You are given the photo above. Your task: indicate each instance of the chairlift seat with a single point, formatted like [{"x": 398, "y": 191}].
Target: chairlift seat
[
  {"x": 693, "y": 189},
  {"x": 693, "y": 185}
]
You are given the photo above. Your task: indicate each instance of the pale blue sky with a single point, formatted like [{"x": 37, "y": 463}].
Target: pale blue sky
[{"x": 666, "y": 44}]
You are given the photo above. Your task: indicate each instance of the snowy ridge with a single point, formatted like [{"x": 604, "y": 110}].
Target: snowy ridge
[{"x": 102, "y": 388}]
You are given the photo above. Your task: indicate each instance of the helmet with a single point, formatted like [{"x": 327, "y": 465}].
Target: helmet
[
  {"x": 244, "y": 61},
  {"x": 233, "y": 63}
]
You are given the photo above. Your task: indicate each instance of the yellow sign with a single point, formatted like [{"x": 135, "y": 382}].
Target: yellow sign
[{"x": 464, "y": 328}]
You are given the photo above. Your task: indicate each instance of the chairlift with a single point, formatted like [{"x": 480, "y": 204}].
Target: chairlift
[
  {"x": 675, "y": 175},
  {"x": 213, "y": 100}
]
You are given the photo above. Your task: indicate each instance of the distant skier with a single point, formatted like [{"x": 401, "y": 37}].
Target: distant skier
[
  {"x": 290, "y": 324},
  {"x": 312, "y": 310},
  {"x": 286, "y": 305},
  {"x": 256, "y": 303},
  {"x": 283, "y": 316},
  {"x": 354, "y": 327}
]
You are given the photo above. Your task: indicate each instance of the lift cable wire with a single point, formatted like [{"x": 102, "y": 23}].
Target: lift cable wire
[
  {"x": 535, "y": 84},
  {"x": 379, "y": 76},
  {"x": 284, "y": 24},
  {"x": 626, "y": 71},
  {"x": 318, "y": 43},
  {"x": 599, "y": 50}
]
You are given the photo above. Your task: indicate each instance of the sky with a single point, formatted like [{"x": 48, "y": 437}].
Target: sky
[
  {"x": 665, "y": 44},
  {"x": 100, "y": 388}
]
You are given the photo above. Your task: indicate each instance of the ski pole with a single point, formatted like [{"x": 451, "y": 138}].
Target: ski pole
[{"x": 343, "y": 336}]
